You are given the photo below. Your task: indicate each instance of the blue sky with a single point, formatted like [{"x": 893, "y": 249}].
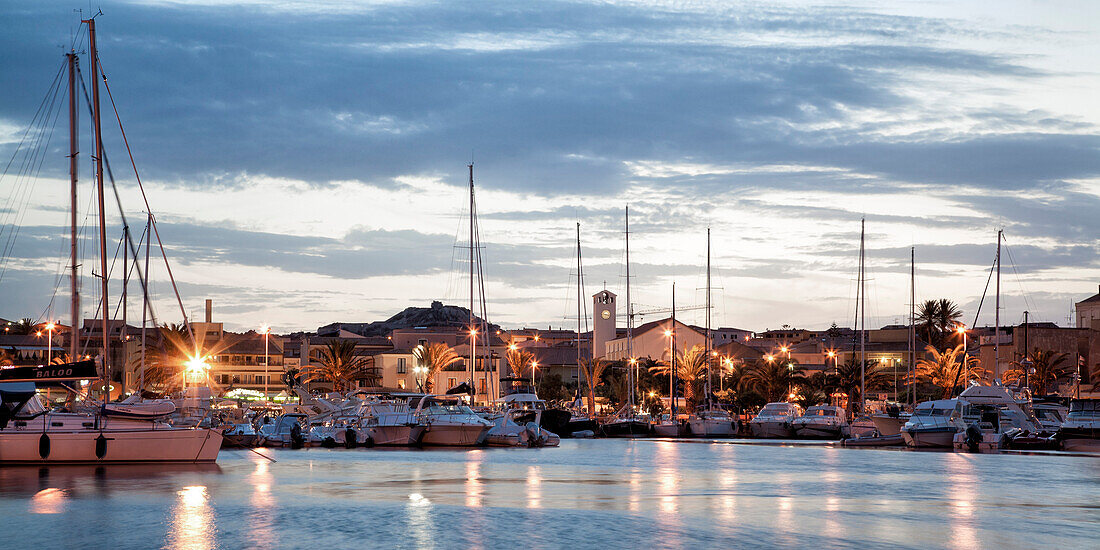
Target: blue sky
[{"x": 307, "y": 160}]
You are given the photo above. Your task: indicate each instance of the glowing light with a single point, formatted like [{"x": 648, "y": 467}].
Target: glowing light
[
  {"x": 264, "y": 329},
  {"x": 714, "y": 354},
  {"x": 783, "y": 349},
  {"x": 473, "y": 332},
  {"x": 653, "y": 394},
  {"x": 50, "y": 326},
  {"x": 960, "y": 329},
  {"x": 513, "y": 347},
  {"x": 832, "y": 353},
  {"x": 197, "y": 365},
  {"x": 633, "y": 361},
  {"x": 39, "y": 333},
  {"x": 668, "y": 333},
  {"x": 769, "y": 358}
]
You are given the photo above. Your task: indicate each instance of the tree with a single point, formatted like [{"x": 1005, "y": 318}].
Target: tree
[
  {"x": 519, "y": 361},
  {"x": 23, "y": 326},
  {"x": 851, "y": 379},
  {"x": 771, "y": 379},
  {"x": 340, "y": 365},
  {"x": 592, "y": 369},
  {"x": 946, "y": 369},
  {"x": 691, "y": 369},
  {"x": 936, "y": 319},
  {"x": 1049, "y": 367},
  {"x": 434, "y": 357}
]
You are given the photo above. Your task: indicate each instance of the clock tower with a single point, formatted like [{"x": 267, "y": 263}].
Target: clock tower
[{"x": 603, "y": 324}]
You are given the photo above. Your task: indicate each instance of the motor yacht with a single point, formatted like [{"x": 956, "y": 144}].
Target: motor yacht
[
  {"x": 931, "y": 425},
  {"x": 390, "y": 422},
  {"x": 1081, "y": 430},
  {"x": 988, "y": 417},
  {"x": 1051, "y": 416},
  {"x": 448, "y": 421},
  {"x": 712, "y": 422},
  {"x": 286, "y": 430},
  {"x": 821, "y": 422},
  {"x": 774, "y": 420},
  {"x": 241, "y": 435}
]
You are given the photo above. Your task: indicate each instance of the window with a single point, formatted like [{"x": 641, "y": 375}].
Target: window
[
  {"x": 452, "y": 382},
  {"x": 481, "y": 386},
  {"x": 422, "y": 342},
  {"x": 401, "y": 383},
  {"x": 401, "y": 368}
]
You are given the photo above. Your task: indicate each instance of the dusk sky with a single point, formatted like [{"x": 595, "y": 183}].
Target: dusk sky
[{"x": 307, "y": 160}]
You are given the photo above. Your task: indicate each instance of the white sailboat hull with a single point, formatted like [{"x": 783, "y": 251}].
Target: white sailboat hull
[
  {"x": 711, "y": 427},
  {"x": 178, "y": 445}
]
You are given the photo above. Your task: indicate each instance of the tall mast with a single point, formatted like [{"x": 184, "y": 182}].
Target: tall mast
[
  {"x": 706, "y": 344},
  {"x": 104, "y": 302},
  {"x": 125, "y": 280},
  {"x": 997, "y": 314},
  {"x": 672, "y": 358},
  {"x": 145, "y": 298},
  {"x": 630, "y": 321},
  {"x": 473, "y": 334},
  {"x": 862, "y": 321},
  {"x": 74, "y": 338},
  {"x": 912, "y": 328},
  {"x": 579, "y": 299}
]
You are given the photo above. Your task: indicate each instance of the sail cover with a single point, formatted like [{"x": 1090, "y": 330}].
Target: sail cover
[{"x": 63, "y": 372}]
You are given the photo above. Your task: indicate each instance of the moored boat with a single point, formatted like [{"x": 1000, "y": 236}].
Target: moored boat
[
  {"x": 930, "y": 426},
  {"x": 821, "y": 422},
  {"x": 1081, "y": 430},
  {"x": 774, "y": 420}
]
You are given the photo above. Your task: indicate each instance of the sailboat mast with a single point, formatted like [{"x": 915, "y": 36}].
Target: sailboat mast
[
  {"x": 997, "y": 314},
  {"x": 74, "y": 340},
  {"x": 125, "y": 280},
  {"x": 473, "y": 334},
  {"x": 912, "y": 327},
  {"x": 104, "y": 302},
  {"x": 579, "y": 298},
  {"x": 632, "y": 371},
  {"x": 145, "y": 299},
  {"x": 862, "y": 320},
  {"x": 706, "y": 344},
  {"x": 672, "y": 357}
]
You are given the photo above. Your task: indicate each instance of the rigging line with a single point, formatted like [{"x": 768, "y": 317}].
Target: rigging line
[
  {"x": 978, "y": 313},
  {"x": 152, "y": 218},
  {"x": 1012, "y": 261},
  {"x": 39, "y": 158},
  {"x": 30, "y": 125}
]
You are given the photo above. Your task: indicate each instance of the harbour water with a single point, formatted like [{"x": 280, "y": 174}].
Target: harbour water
[{"x": 585, "y": 494}]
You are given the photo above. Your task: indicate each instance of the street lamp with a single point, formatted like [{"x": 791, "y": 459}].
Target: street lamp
[
  {"x": 671, "y": 375},
  {"x": 419, "y": 371},
  {"x": 265, "y": 330},
  {"x": 534, "y": 365},
  {"x": 49, "y": 339},
  {"x": 961, "y": 329}
]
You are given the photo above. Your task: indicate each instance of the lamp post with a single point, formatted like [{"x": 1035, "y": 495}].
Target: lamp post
[
  {"x": 267, "y": 358},
  {"x": 419, "y": 371},
  {"x": 534, "y": 365},
  {"x": 961, "y": 329},
  {"x": 49, "y": 342},
  {"x": 671, "y": 376}
]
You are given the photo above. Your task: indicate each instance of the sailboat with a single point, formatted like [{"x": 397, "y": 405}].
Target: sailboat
[
  {"x": 625, "y": 422},
  {"x": 31, "y": 433},
  {"x": 672, "y": 425},
  {"x": 712, "y": 421}
]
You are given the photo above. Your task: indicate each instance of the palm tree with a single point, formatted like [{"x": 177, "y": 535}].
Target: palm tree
[
  {"x": 936, "y": 319},
  {"x": 519, "y": 361},
  {"x": 771, "y": 379},
  {"x": 814, "y": 390},
  {"x": 434, "y": 357},
  {"x": 592, "y": 369},
  {"x": 23, "y": 326},
  {"x": 946, "y": 369},
  {"x": 339, "y": 365},
  {"x": 926, "y": 320},
  {"x": 947, "y": 317},
  {"x": 691, "y": 368},
  {"x": 851, "y": 379},
  {"x": 1049, "y": 367}
]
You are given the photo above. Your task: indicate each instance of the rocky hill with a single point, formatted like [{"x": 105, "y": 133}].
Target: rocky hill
[{"x": 438, "y": 315}]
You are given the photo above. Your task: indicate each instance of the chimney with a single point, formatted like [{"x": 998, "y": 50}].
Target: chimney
[{"x": 209, "y": 310}]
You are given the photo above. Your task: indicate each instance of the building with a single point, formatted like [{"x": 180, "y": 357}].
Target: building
[
  {"x": 651, "y": 340},
  {"x": 603, "y": 321},
  {"x": 1080, "y": 345},
  {"x": 1088, "y": 313}
]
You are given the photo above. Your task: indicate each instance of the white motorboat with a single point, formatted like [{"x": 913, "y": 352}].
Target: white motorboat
[
  {"x": 448, "y": 421},
  {"x": 390, "y": 422},
  {"x": 30, "y": 433},
  {"x": 510, "y": 429},
  {"x": 988, "y": 417},
  {"x": 774, "y": 420},
  {"x": 931, "y": 426},
  {"x": 890, "y": 423},
  {"x": 287, "y": 430},
  {"x": 712, "y": 423},
  {"x": 1081, "y": 430},
  {"x": 821, "y": 422},
  {"x": 239, "y": 435},
  {"x": 1051, "y": 416}
]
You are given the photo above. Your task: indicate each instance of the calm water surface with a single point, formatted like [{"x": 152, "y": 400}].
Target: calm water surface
[{"x": 586, "y": 494}]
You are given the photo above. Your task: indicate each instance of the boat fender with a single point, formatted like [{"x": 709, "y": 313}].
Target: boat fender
[
  {"x": 44, "y": 446},
  {"x": 534, "y": 435},
  {"x": 328, "y": 443},
  {"x": 420, "y": 438},
  {"x": 973, "y": 437},
  {"x": 369, "y": 442},
  {"x": 100, "y": 447},
  {"x": 351, "y": 439}
]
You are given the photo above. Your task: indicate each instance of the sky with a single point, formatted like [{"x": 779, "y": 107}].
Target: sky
[{"x": 307, "y": 161}]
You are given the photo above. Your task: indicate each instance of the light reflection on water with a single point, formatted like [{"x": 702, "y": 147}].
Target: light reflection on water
[{"x": 610, "y": 493}]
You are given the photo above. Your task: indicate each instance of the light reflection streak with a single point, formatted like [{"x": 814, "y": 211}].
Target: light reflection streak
[
  {"x": 475, "y": 490},
  {"x": 784, "y": 516},
  {"x": 48, "y": 501},
  {"x": 833, "y": 480},
  {"x": 261, "y": 520},
  {"x": 634, "y": 498},
  {"x": 534, "y": 487},
  {"x": 192, "y": 522},
  {"x": 419, "y": 510},
  {"x": 668, "y": 519},
  {"x": 962, "y": 483}
]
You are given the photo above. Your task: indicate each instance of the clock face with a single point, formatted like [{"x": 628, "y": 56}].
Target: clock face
[{"x": 606, "y": 314}]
